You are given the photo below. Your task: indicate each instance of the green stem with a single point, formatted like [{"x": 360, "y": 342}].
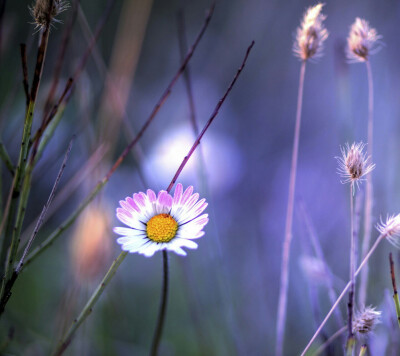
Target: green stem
[
  {"x": 163, "y": 308},
  {"x": 48, "y": 134},
  {"x": 67, "y": 223},
  {"x": 6, "y": 158},
  {"x": 86, "y": 311},
  {"x": 16, "y": 188},
  {"x": 350, "y": 345},
  {"x": 26, "y": 187},
  {"x": 363, "y": 350}
]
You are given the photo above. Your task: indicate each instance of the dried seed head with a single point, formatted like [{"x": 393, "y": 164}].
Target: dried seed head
[
  {"x": 311, "y": 34},
  {"x": 40, "y": 11},
  {"x": 362, "y": 41},
  {"x": 365, "y": 320},
  {"x": 391, "y": 229},
  {"x": 354, "y": 163}
]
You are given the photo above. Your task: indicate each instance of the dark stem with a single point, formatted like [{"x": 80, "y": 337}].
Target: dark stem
[
  {"x": 40, "y": 59},
  {"x": 163, "y": 308},
  {"x": 164, "y": 96},
  {"x": 186, "y": 74},
  {"x": 69, "y": 86},
  {"x": 10, "y": 283},
  {"x": 24, "y": 63},
  {"x": 60, "y": 60},
  {"x": 392, "y": 274},
  {"x": 211, "y": 119}
]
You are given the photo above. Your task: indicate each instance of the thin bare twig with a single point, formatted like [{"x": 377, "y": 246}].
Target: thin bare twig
[
  {"x": 61, "y": 55},
  {"x": 45, "y": 208},
  {"x": 211, "y": 119}
]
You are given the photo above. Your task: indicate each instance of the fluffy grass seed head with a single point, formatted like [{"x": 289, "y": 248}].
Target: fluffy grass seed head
[
  {"x": 362, "y": 41},
  {"x": 311, "y": 34},
  {"x": 354, "y": 163},
  {"x": 391, "y": 229},
  {"x": 40, "y": 14},
  {"x": 365, "y": 321},
  {"x": 161, "y": 222}
]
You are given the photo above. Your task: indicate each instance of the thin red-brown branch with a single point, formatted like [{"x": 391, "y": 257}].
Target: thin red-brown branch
[
  {"x": 211, "y": 119},
  {"x": 164, "y": 96}
]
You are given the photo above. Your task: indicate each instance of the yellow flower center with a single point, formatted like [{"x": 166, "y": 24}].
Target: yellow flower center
[{"x": 161, "y": 228}]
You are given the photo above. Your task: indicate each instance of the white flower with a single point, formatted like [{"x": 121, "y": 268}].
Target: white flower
[
  {"x": 391, "y": 229},
  {"x": 161, "y": 222}
]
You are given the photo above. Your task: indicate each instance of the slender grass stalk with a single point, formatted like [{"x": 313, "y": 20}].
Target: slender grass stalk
[
  {"x": 395, "y": 294},
  {"x": 362, "y": 264},
  {"x": 69, "y": 221},
  {"x": 330, "y": 340},
  {"x": 66, "y": 339},
  {"x": 87, "y": 309},
  {"x": 350, "y": 337},
  {"x": 284, "y": 282},
  {"x": 13, "y": 274},
  {"x": 6, "y": 159},
  {"x": 369, "y": 188},
  {"x": 15, "y": 191},
  {"x": 163, "y": 308},
  {"x": 24, "y": 63},
  {"x": 10, "y": 238}
]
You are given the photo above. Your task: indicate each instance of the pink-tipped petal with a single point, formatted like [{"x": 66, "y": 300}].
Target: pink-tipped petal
[
  {"x": 178, "y": 193},
  {"x": 132, "y": 203},
  {"x": 187, "y": 194},
  {"x": 151, "y": 195},
  {"x": 164, "y": 200}
]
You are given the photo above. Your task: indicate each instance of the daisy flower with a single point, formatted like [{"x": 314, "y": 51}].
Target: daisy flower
[{"x": 161, "y": 222}]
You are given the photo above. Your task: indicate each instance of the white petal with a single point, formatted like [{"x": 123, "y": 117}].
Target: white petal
[{"x": 126, "y": 231}]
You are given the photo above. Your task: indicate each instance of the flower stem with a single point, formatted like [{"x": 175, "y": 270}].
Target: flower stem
[
  {"x": 364, "y": 261},
  {"x": 363, "y": 350},
  {"x": 6, "y": 159},
  {"x": 284, "y": 284},
  {"x": 395, "y": 294},
  {"x": 369, "y": 188},
  {"x": 86, "y": 311},
  {"x": 163, "y": 308},
  {"x": 350, "y": 337}
]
